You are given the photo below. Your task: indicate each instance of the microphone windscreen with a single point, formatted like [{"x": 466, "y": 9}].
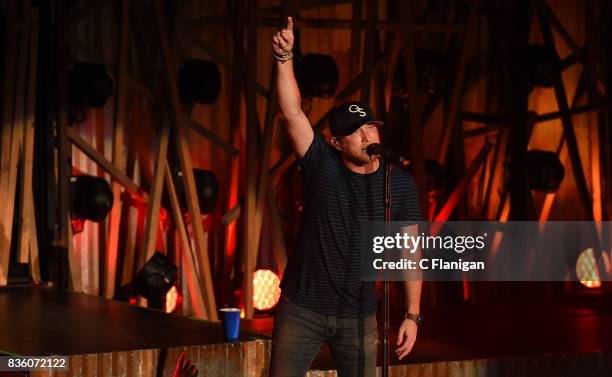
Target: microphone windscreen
[{"x": 374, "y": 149}]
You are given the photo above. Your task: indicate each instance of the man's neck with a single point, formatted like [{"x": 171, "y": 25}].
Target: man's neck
[{"x": 361, "y": 168}]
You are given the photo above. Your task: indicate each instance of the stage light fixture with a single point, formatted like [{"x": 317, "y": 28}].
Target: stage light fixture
[
  {"x": 90, "y": 84},
  {"x": 586, "y": 269},
  {"x": 317, "y": 75},
  {"x": 431, "y": 70},
  {"x": 266, "y": 289},
  {"x": 92, "y": 197},
  {"x": 199, "y": 81},
  {"x": 545, "y": 170},
  {"x": 155, "y": 279},
  {"x": 173, "y": 299},
  {"x": 544, "y": 65},
  {"x": 207, "y": 188}
]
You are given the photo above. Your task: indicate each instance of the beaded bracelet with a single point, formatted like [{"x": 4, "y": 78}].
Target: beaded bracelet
[{"x": 283, "y": 58}]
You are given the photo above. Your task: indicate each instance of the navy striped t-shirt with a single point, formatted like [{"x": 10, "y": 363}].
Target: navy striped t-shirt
[{"x": 324, "y": 271}]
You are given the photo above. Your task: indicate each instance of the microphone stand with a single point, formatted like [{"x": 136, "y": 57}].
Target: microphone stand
[
  {"x": 385, "y": 313},
  {"x": 388, "y": 158}
]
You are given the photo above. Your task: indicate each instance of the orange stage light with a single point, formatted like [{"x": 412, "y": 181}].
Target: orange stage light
[
  {"x": 586, "y": 269},
  {"x": 266, "y": 289},
  {"x": 173, "y": 299}
]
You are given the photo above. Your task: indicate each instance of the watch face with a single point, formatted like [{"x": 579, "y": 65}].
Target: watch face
[{"x": 418, "y": 319}]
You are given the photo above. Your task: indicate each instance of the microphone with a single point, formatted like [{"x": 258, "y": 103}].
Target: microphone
[{"x": 386, "y": 154}]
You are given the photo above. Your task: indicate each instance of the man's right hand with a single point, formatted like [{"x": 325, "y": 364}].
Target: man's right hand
[
  {"x": 282, "y": 40},
  {"x": 298, "y": 127}
]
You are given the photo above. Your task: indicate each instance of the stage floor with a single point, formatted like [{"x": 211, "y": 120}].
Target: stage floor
[
  {"x": 37, "y": 321},
  {"x": 469, "y": 332}
]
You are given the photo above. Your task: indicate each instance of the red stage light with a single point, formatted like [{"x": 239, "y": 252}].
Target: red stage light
[
  {"x": 173, "y": 299},
  {"x": 266, "y": 289},
  {"x": 586, "y": 269}
]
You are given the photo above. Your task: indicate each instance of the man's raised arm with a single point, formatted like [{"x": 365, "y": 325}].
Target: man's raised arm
[{"x": 298, "y": 127}]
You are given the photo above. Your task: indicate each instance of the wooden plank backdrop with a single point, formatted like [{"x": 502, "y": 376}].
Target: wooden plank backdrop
[{"x": 223, "y": 137}]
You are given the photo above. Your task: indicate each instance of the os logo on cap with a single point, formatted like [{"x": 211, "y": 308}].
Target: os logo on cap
[
  {"x": 344, "y": 119},
  {"x": 357, "y": 109}
]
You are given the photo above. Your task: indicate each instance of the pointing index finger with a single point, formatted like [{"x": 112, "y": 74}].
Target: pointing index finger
[{"x": 289, "y": 23}]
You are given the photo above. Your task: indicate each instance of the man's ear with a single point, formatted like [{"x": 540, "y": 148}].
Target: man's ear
[{"x": 336, "y": 143}]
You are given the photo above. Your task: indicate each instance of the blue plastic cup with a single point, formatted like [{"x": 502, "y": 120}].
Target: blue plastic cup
[{"x": 231, "y": 323}]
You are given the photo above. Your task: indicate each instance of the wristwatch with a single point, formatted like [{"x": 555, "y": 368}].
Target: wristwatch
[{"x": 416, "y": 318}]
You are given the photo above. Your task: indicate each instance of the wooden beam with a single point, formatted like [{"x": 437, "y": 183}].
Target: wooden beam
[
  {"x": 8, "y": 97},
  {"x": 251, "y": 179},
  {"x": 28, "y": 250},
  {"x": 568, "y": 130},
  {"x": 108, "y": 166},
  {"x": 62, "y": 127},
  {"x": 561, "y": 151},
  {"x": 370, "y": 44},
  {"x": 461, "y": 188},
  {"x": 182, "y": 144},
  {"x": 355, "y": 47},
  {"x": 34, "y": 260},
  {"x": 120, "y": 120},
  {"x": 496, "y": 178},
  {"x": 232, "y": 215},
  {"x": 211, "y": 136},
  {"x": 317, "y": 23},
  {"x": 497, "y": 122},
  {"x": 573, "y": 111},
  {"x": 565, "y": 36},
  {"x": 456, "y": 94},
  {"x": 129, "y": 256},
  {"x": 74, "y": 264},
  {"x": 17, "y": 127},
  {"x": 415, "y": 126},
  {"x": 396, "y": 46},
  {"x": 594, "y": 97},
  {"x": 157, "y": 187},
  {"x": 190, "y": 270},
  {"x": 274, "y": 10}
]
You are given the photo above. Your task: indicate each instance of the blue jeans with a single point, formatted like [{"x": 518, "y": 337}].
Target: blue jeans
[{"x": 299, "y": 333}]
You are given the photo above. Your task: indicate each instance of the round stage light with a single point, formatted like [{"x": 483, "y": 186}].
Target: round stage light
[
  {"x": 317, "y": 75},
  {"x": 545, "y": 170},
  {"x": 266, "y": 289},
  {"x": 544, "y": 65},
  {"x": 91, "y": 197},
  {"x": 90, "y": 84},
  {"x": 586, "y": 269},
  {"x": 199, "y": 81},
  {"x": 173, "y": 299},
  {"x": 207, "y": 188}
]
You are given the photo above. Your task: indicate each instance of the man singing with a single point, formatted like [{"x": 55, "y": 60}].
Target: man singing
[{"x": 323, "y": 297}]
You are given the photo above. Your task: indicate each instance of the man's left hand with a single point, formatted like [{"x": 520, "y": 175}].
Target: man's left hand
[{"x": 405, "y": 338}]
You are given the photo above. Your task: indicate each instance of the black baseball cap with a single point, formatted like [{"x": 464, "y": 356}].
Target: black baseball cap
[{"x": 348, "y": 117}]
